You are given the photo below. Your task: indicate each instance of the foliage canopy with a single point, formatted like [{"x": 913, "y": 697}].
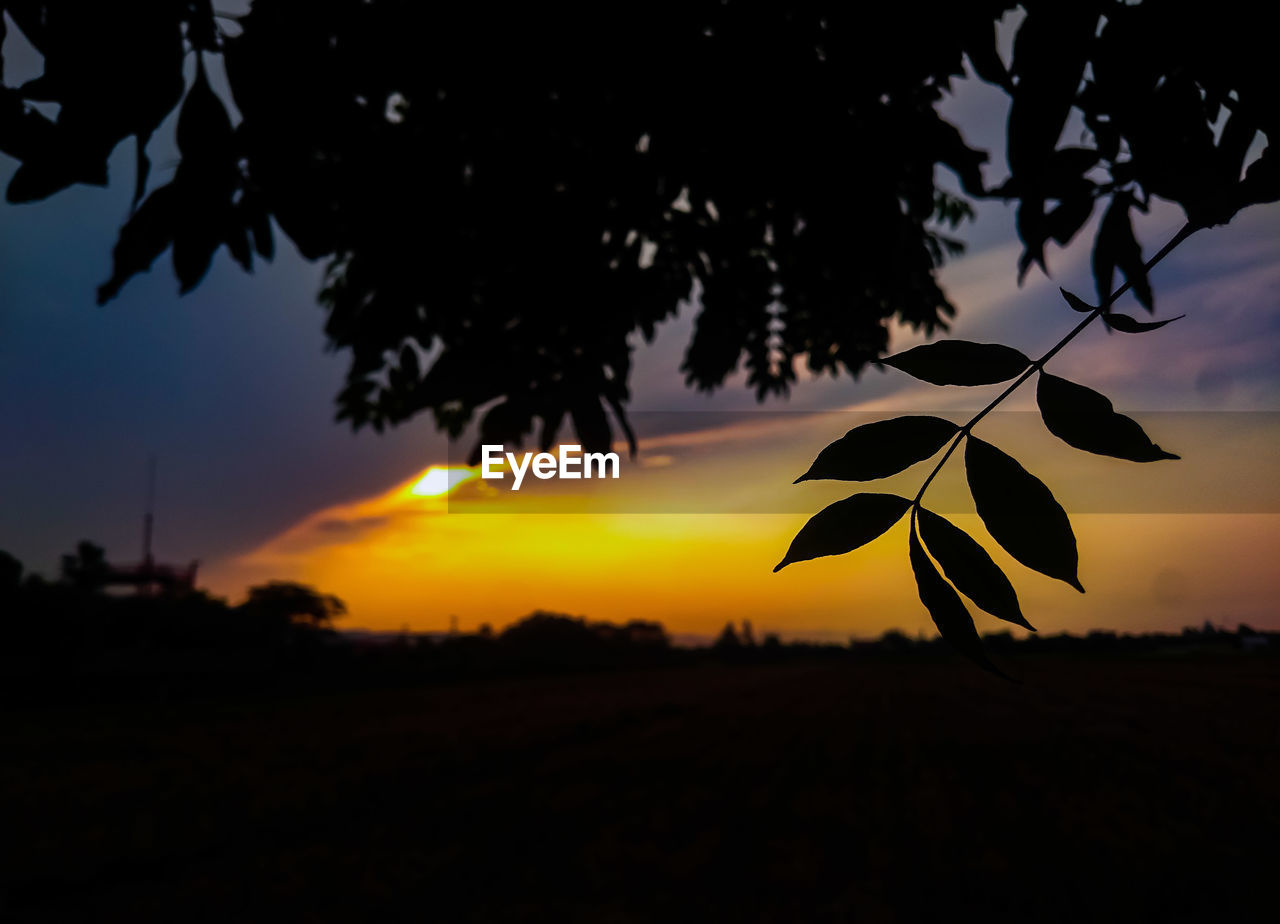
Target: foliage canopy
[{"x": 505, "y": 199}]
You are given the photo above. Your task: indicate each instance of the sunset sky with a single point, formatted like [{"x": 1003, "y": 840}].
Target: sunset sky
[{"x": 232, "y": 389}]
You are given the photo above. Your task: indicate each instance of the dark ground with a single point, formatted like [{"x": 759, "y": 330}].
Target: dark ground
[{"x": 1142, "y": 789}]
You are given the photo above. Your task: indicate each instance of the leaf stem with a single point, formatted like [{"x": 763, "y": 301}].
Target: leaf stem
[{"x": 1183, "y": 233}]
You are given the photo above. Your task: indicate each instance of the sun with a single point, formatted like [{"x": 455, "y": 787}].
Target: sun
[{"x": 440, "y": 480}]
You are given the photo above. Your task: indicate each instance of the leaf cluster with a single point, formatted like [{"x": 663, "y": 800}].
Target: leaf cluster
[
  {"x": 1017, "y": 509},
  {"x": 509, "y": 199},
  {"x": 1174, "y": 106}
]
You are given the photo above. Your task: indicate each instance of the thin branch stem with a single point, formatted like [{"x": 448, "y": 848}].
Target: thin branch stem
[{"x": 1183, "y": 233}]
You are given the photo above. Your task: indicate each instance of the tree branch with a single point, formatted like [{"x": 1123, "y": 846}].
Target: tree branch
[{"x": 1183, "y": 233}]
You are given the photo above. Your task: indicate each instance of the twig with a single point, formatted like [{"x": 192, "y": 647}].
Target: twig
[{"x": 1185, "y": 232}]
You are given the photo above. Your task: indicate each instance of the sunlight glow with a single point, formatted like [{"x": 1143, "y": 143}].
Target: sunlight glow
[
  {"x": 444, "y": 546},
  {"x": 438, "y": 481}
]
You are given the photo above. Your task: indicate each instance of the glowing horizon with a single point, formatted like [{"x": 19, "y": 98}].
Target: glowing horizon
[
  {"x": 410, "y": 558},
  {"x": 444, "y": 543}
]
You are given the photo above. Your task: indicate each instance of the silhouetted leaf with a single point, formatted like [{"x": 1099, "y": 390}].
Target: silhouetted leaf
[
  {"x": 1033, "y": 230},
  {"x": 24, "y": 132},
  {"x": 201, "y": 29},
  {"x": 1233, "y": 145},
  {"x": 1117, "y": 247},
  {"x": 880, "y": 449},
  {"x": 258, "y": 222},
  {"x": 985, "y": 58},
  {"x": 592, "y": 424},
  {"x": 1085, "y": 419},
  {"x": 970, "y": 568},
  {"x": 1076, "y": 302},
  {"x": 844, "y": 526},
  {"x": 1021, "y": 513},
  {"x": 144, "y": 237},
  {"x": 1261, "y": 181},
  {"x": 964, "y": 160},
  {"x": 409, "y": 363},
  {"x": 1049, "y": 55},
  {"x": 1065, "y": 170},
  {"x": 1071, "y": 214},
  {"x": 263, "y": 240},
  {"x": 141, "y": 169},
  {"x": 946, "y": 608},
  {"x": 504, "y": 422},
  {"x": 620, "y": 413},
  {"x": 39, "y": 179},
  {"x": 550, "y": 427},
  {"x": 193, "y": 249},
  {"x": 1128, "y": 325},
  {"x": 960, "y": 362},
  {"x": 237, "y": 241},
  {"x": 204, "y": 128}
]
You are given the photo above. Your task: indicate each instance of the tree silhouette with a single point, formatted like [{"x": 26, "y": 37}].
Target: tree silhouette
[
  {"x": 10, "y": 576},
  {"x": 505, "y": 201},
  {"x": 287, "y": 604},
  {"x": 86, "y": 567}
]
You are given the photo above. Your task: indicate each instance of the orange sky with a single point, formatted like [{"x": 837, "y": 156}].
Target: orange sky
[
  {"x": 691, "y": 531},
  {"x": 415, "y": 557}
]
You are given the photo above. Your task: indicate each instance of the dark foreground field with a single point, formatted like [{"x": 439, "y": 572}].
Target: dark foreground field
[{"x": 815, "y": 791}]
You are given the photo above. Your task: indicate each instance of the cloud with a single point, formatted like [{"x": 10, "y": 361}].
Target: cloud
[{"x": 348, "y": 529}]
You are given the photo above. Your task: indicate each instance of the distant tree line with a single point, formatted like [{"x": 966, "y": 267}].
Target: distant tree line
[
  {"x": 69, "y": 635},
  {"x": 74, "y": 613}
]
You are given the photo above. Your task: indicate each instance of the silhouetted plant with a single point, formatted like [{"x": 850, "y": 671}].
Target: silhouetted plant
[
  {"x": 288, "y": 605},
  {"x": 505, "y": 199},
  {"x": 10, "y": 571},
  {"x": 86, "y": 567},
  {"x": 727, "y": 639},
  {"x": 1016, "y": 508},
  {"x": 550, "y": 630}
]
